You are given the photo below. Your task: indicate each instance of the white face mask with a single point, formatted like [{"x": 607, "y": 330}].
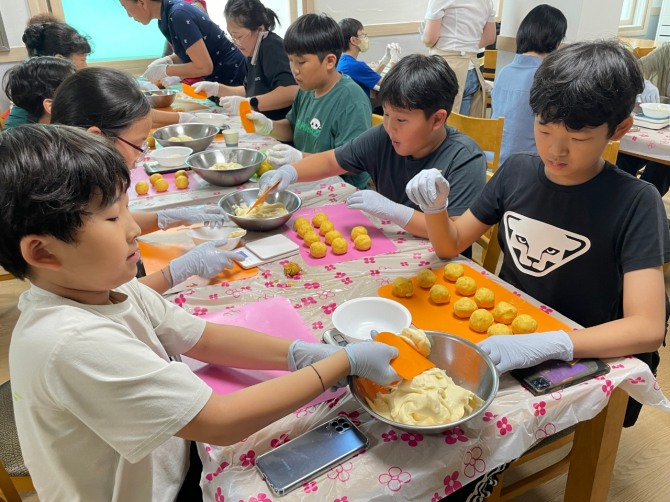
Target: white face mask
[{"x": 364, "y": 45}]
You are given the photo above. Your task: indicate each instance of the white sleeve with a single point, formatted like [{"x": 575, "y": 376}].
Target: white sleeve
[
  {"x": 436, "y": 8},
  {"x": 492, "y": 15}
]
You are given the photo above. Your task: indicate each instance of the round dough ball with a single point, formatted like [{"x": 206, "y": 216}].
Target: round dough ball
[
  {"x": 363, "y": 242},
  {"x": 499, "y": 329},
  {"x": 426, "y": 278},
  {"x": 331, "y": 236},
  {"x": 141, "y": 187},
  {"x": 402, "y": 287},
  {"x": 339, "y": 245},
  {"x": 504, "y": 313},
  {"x": 181, "y": 172},
  {"x": 181, "y": 181},
  {"x": 161, "y": 185},
  {"x": 485, "y": 298},
  {"x": 439, "y": 294},
  {"x": 319, "y": 218},
  {"x": 523, "y": 324},
  {"x": 311, "y": 237},
  {"x": 326, "y": 226},
  {"x": 317, "y": 249},
  {"x": 466, "y": 286},
  {"x": 300, "y": 221},
  {"x": 453, "y": 271},
  {"x": 480, "y": 320},
  {"x": 464, "y": 307},
  {"x": 303, "y": 228},
  {"x": 155, "y": 177},
  {"x": 359, "y": 230}
]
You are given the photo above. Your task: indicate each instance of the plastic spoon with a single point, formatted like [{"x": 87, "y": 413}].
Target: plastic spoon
[{"x": 262, "y": 197}]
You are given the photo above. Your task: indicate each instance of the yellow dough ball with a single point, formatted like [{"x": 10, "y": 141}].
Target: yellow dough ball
[
  {"x": 466, "y": 286},
  {"x": 498, "y": 329},
  {"x": 181, "y": 182},
  {"x": 151, "y": 141},
  {"x": 311, "y": 237},
  {"x": 453, "y": 271},
  {"x": 319, "y": 218},
  {"x": 181, "y": 172},
  {"x": 332, "y": 235},
  {"x": 363, "y": 242},
  {"x": 523, "y": 324},
  {"x": 303, "y": 228},
  {"x": 326, "y": 226},
  {"x": 359, "y": 230},
  {"x": 402, "y": 287},
  {"x": 155, "y": 177},
  {"x": 480, "y": 320},
  {"x": 485, "y": 298},
  {"x": 161, "y": 185},
  {"x": 504, "y": 313},
  {"x": 300, "y": 221},
  {"x": 141, "y": 187},
  {"x": 426, "y": 278},
  {"x": 439, "y": 294},
  {"x": 464, "y": 307},
  {"x": 339, "y": 245},
  {"x": 317, "y": 249}
]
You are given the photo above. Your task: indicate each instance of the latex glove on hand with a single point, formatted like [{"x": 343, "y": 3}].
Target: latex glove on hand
[
  {"x": 301, "y": 354},
  {"x": 510, "y": 352},
  {"x": 209, "y": 88},
  {"x": 185, "y": 117},
  {"x": 395, "y": 52},
  {"x": 231, "y": 104},
  {"x": 155, "y": 73},
  {"x": 649, "y": 94},
  {"x": 280, "y": 155},
  {"x": 145, "y": 85},
  {"x": 387, "y": 56},
  {"x": 429, "y": 190},
  {"x": 205, "y": 260},
  {"x": 163, "y": 60},
  {"x": 262, "y": 124},
  {"x": 381, "y": 207},
  {"x": 211, "y": 216},
  {"x": 172, "y": 80},
  {"x": 372, "y": 360},
  {"x": 286, "y": 175}
]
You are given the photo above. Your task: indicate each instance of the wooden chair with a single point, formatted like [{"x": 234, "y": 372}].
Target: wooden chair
[
  {"x": 611, "y": 152},
  {"x": 640, "y": 52},
  {"x": 14, "y": 476},
  {"x": 377, "y": 120},
  {"x": 487, "y": 133},
  {"x": 5, "y": 276},
  {"x": 488, "y": 69}
]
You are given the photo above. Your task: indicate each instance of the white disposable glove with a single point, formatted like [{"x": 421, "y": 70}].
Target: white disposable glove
[
  {"x": 387, "y": 56},
  {"x": 649, "y": 94},
  {"x": 145, "y": 85},
  {"x": 156, "y": 73},
  {"x": 262, "y": 124},
  {"x": 379, "y": 206},
  {"x": 429, "y": 190},
  {"x": 280, "y": 155},
  {"x": 209, "y": 88},
  {"x": 171, "y": 80},
  {"x": 422, "y": 28},
  {"x": 185, "y": 117},
  {"x": 395, "y": 52},
  {"x": 510, "y": 352},
  {"x": 211, "y": 216},
  {"x": 231, "y": 104},
  {"x": 286, "y": 175},
  {"x": 163, "y": 60},
  {"x": 205, "y": 260},
  {"x": 372, "y": 360}
]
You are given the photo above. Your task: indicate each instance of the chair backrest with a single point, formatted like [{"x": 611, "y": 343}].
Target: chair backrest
[
  {"x": 487, "y": 133},
  {"x": 611, "y": 152},
  {"x": 642, "y": 51},
  {"x": 11, "y": 457},
  {"x": 489, "y": 67},
  {"x": 377, "y": 120}
]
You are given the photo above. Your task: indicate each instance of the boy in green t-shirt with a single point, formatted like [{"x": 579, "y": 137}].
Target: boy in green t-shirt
[{"x": 329, "y": 110}]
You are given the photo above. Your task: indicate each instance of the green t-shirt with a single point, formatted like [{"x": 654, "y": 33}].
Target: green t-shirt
[
  {"x": 323, "y": 123},
  {"x": 18, "y": 116}
]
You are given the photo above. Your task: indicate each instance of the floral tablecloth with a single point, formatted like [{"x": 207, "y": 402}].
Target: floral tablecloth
[{"x": 647, "y": 143}]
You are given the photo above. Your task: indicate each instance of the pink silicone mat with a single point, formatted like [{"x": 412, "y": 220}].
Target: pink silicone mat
[
  {"x": 224, "y": 380},
  {"x": 139, "y": 174},
  {"x": 344, "y": 219}
]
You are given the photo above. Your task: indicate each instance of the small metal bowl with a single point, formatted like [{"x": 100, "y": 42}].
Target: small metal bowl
[
  {"x": 464, "y": 362},
  {"x": 202, "y": 135},
  {"x": 250, "y": 159},
  {"x": 161, "y": 98},
  {"x": 248, "y": 197}
]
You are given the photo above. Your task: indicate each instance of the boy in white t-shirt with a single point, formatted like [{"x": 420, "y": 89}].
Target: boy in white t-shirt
[{"x": 95, "y": 392}]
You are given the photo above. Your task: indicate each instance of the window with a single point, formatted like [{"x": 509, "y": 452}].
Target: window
[{"x": 634, "y": 17}]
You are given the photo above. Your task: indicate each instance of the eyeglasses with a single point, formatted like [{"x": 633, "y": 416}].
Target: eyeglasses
[
  {"x": 143, "y": 149},
  {"x": 238, "y": 40},
  {"x": 362, "y": 35}
]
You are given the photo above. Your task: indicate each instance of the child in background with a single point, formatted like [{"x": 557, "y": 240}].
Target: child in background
[
  {"x": 330, "y": 108},
  {"x": 31, "y": 84},
  {"x": 577, "y": 233},
  {"x": 95, "y": 392},
  {"x": 417, "y": 96}
]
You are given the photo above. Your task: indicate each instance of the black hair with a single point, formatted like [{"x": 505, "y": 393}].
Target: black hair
[
  {"x": 541, "y": 31},
  {"x": 55, "y": 174},
  {"x": 30, "y": 82},
  {"x": 587, "y": 84},
  {"x": 251, "y": 14},
  {"x": 44, "y": 17},
  {"x": 314, "y": 34},
  {"x": 350, "y": 28},
  {"x": 51, "y": 39},
  {"x": 100, "y": 97},
  {"x": 419, "y": 82}
]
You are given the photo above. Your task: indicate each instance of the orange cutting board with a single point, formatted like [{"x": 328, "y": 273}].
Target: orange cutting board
[{"x": 427, "y": 315}]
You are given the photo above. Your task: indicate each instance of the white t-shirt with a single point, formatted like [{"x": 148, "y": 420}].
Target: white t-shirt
[
  {"x": 96, "y": 397},
  {"x": 462, "y": 22}
]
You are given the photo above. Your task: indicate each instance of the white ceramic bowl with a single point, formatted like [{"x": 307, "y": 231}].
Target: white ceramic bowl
[
  {"x": 656, "y": 110},
  {"x": 171, "y": 156},
  {"x": 356, "y": 318},
  {"x": 200, "y": 235},
  {"x": 217, "y": 119}
]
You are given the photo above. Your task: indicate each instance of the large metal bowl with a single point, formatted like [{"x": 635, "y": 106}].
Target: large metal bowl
[
  {"x": 250, "y": 159},
  {"x": 162, "y": 98},
  {"x": 464, "y": 362},
  {"x": 248, "y": 197},
  {"x": 202, "y": 135}
]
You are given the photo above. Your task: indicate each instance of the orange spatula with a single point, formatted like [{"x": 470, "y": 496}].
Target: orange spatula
[
  {"x": 190, "y": 91},
  {"x": 248, "y": 124},
  {"x": 263, "y": 196},
  {"x": 409, "y": 362}
]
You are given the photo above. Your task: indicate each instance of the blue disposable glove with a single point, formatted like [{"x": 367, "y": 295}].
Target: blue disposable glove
[
  {"x": 429, "y": 190},
  {"x": 286, "y": 175},
  {"x": 301, "y": 354},
  {"x": 211, "y": 216},
  {"x": 649, "y": 94},
  {"x": 372, "y": 360},
  {"x": 379, "y": 206},
  {"x": 510, "y": 352},
  {"x": 205, "y": 260}
]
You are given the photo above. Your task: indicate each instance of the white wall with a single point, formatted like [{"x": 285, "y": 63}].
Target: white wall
[
  {"x": 374, "y": 11},
  {"x": 15, "y": 14}
]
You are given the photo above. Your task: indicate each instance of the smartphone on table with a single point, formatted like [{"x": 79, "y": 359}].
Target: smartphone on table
[{"x": 554, "y": 375}]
